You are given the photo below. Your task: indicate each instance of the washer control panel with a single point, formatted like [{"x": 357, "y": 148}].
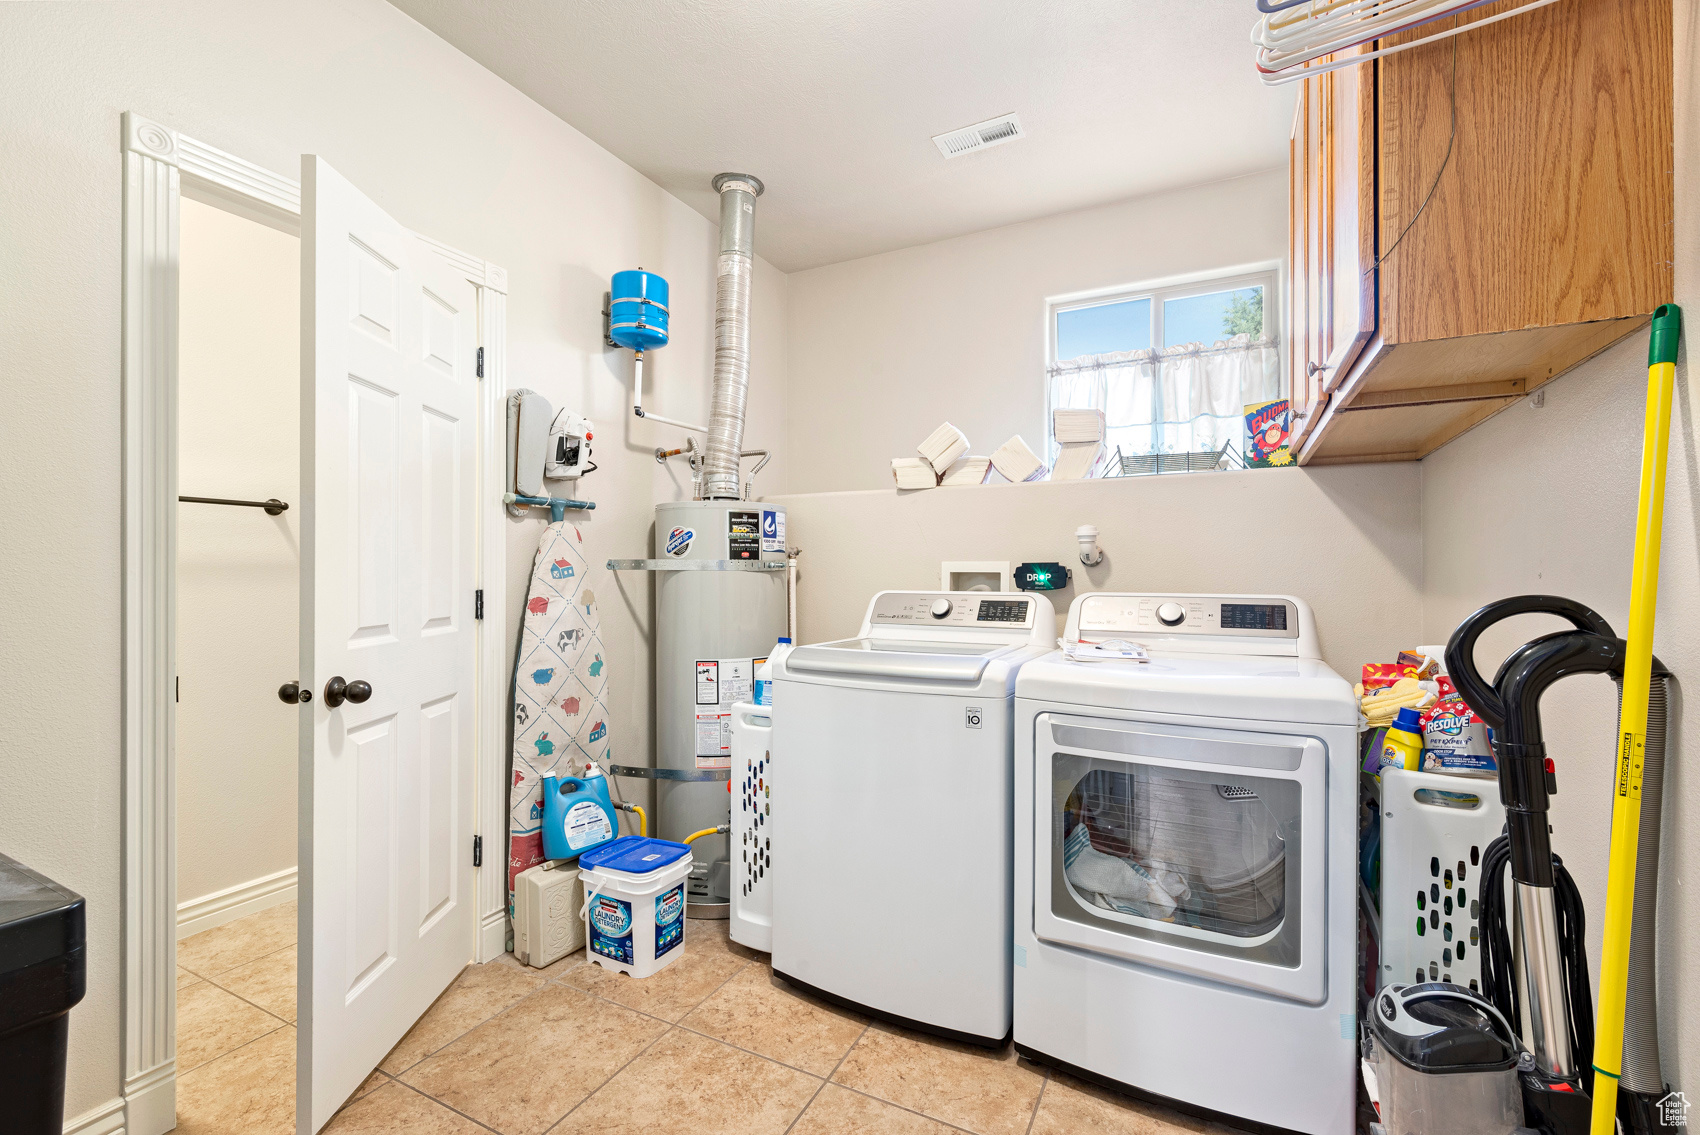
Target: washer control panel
[
  {"x": 953, "y": 609},
  {"x": 1232, "y": 616}
]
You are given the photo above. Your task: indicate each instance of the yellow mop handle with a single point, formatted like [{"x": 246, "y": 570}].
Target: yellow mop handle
[{"x": 1632, "y": 729}]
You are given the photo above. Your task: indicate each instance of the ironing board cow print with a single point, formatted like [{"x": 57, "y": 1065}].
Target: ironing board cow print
[{"x": 560, "y": 690}]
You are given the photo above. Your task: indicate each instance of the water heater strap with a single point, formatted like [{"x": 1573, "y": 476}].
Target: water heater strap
[{"x": 696, "y": 565}]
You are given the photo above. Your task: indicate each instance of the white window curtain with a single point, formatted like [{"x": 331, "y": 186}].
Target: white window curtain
[{"x": 1180, "y": 400}]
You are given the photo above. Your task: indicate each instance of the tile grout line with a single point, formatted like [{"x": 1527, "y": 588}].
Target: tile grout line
[
  {"x": 821, "y": 1087},
  {"x": 245, "y": 1001},
  {"x": 760, "y": 1055},
  {"x": 185, "y": 1071},
  {"x": 671, "y": 1025},
  {"x": 238, "y": 965},
  {"x": 433, "y": 1099},
  {"x": 900, "y": 1107},
  {"x": 352, "y": 1100},
  {"x": 547, "y": 981},
  {"x": 460, "y": 1035},
  {"x": 658, "y": 1038},
  {"x": 827, "y": 1079},
  {"x": 1037, "y": 1100}
]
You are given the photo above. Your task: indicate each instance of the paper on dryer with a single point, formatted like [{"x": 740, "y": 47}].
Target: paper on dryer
[{"x": 1104, "y": 651}]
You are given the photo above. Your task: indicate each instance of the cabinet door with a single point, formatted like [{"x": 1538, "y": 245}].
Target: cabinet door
[
  {"x": 1331, "y": 235},
  {"x": 1556, "y": 205},
  {"x": 1299, "y": 272},
  {"x": 1347, "y": 162}
]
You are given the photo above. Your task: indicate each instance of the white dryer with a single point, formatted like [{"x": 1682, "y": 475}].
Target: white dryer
[
  {"x": 1186, "y": 860},
  {"x": 892, "y": 797}
]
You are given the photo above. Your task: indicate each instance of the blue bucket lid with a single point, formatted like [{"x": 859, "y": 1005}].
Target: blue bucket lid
[{"x": 635, "y": 855}]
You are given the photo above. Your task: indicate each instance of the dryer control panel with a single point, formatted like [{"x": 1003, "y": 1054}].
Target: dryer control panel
[
  {"x": 981, "y": 610},
  {"x": 1206, "y": 620}
]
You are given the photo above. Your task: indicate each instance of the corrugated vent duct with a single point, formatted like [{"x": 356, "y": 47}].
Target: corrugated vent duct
[{"x": 738, "y": 193}]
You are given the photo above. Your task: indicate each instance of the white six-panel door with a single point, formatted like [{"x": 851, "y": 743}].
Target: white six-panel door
[{"x": 389, "y": 398}]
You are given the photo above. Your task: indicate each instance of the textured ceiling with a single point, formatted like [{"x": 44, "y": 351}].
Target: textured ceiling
[{"x": 833, "y": 103}]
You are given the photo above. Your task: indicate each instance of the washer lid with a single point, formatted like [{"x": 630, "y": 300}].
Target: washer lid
[
  {"x": 1277, "y": 689},
  {"x": 877, "y": 658}
]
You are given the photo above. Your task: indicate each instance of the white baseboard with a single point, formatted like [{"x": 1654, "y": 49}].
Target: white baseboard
[
  {"x": 235, "y": 902},
  {"x": 107, "y": 1119},
  {"x": 493, "y": 936},
  {"x": 150, "y": 1102}
]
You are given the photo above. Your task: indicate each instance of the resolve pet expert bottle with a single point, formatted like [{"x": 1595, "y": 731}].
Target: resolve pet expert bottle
[
  {"x": 1403, "y": 745},
  {"x": 577, "y": 814}
]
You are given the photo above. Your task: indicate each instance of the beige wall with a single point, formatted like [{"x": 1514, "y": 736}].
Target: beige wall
[
  {"x": 885, "y": 348},
  {"x": 444, "y": 146},
  {"x": 1536, "y": 500},
  {"x": 1543, "y": 500},
  {"x": 238, "y": 569},
  {"x": 1347, "y": 539}
]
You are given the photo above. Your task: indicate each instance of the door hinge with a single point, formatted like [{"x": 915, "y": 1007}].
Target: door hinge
[
  {"x": 478, "y": 603},
  {"x": 481, "y": 362},
  {"x": 177, "y": 694},
  {"x": 478, "y": 851}
]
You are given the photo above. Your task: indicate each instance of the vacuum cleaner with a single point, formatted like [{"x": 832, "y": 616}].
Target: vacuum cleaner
[
  {"x": 1537, "y": 971},
  {"x": 1534, "y": 970}
]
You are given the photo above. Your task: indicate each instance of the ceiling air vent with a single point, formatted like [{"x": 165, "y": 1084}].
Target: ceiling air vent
[{"x": 992, "y": 132}]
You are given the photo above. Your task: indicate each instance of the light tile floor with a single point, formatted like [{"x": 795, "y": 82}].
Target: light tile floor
[{"x": 713, "y": 1045}]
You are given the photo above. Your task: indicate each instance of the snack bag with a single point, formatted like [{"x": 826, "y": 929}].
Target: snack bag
[
  {"x": 1380, "y": 675},
  {"x": 1454, "y": 738}
]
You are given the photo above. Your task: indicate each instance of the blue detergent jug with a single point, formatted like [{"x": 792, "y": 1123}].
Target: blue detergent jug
[{"x": 577, "y": 814}]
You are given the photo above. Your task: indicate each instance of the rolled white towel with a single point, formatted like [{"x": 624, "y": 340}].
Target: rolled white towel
[{"x": 1119, "y": 880}]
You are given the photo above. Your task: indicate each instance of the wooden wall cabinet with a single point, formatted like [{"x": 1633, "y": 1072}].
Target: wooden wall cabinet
[{"x": 1548, "y": 237}]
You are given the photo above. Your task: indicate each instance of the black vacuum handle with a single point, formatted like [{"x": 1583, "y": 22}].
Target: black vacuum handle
[{"x": 1461, "y": 650}]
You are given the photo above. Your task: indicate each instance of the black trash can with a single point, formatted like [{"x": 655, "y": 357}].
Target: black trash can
[{"x": 42, "y": 972}]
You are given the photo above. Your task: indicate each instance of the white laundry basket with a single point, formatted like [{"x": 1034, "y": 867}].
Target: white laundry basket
[
  {"x": 751, "y": 921},
  {"x": 547, "y": 900},
  {"x": 634, "y": 903},
  {"x": 1434, "y": 830}
]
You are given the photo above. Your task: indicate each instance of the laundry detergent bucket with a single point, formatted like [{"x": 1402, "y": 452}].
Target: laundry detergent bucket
[{"x": 634, "y": 903}]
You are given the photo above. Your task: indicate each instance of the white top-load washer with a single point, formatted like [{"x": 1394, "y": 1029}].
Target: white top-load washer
[
  {"x": 892, "y": 781},
  {"x": 1186, "y": 859}
]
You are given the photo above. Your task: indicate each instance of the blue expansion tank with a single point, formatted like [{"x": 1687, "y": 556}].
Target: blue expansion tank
[{"x": 637, "y": 310}]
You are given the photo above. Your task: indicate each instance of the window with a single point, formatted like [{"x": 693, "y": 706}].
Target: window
[
  {"x": 1167, "y": 364},
  {"x": 1202, "y": 312}
]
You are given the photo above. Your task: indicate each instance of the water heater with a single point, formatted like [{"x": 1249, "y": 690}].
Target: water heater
[
  {"x": 718, "y": 562},
  {"x": 719, "y": 611}
]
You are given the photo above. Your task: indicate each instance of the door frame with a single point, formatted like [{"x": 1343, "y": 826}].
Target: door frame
[{"x": 160, "y": 167}]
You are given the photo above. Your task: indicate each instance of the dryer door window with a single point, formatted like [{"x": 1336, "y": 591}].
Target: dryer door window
[
  {"x": 1199, "y": 851},
  {"x": 1173, "y": 851}
]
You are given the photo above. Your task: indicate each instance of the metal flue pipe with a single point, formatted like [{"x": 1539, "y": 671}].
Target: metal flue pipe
[{"x": 738, "y": 193}]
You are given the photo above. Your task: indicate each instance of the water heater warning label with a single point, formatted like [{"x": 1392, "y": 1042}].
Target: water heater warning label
[
  {"x": 714, "y": 740},
  {"x": 721, "y": 683}
]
